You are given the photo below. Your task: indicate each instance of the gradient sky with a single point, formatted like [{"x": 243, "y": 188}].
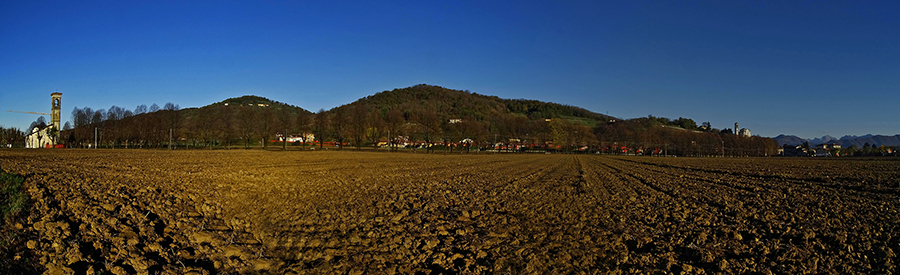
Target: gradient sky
[{"x": 803, "y": 68}]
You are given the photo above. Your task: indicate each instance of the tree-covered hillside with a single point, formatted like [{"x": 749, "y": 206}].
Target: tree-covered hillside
[
  {"x": 421, "y": 116},
  {"x": 459, "y": 104}
]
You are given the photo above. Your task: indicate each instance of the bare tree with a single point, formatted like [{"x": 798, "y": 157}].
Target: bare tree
[
  {"x": 174, "y": 121},
  {"x": 141, "y": 128},
  {"x": 359, "y": 121},
  {"x": 223, "y": 122},
  {"x": 339, "y": 126},
  {"x": 286, "y": 125},
  {"x": 247, "y": 117},
  {"x": 430, "y": 126},
  {"x": 375, "y": 126},
  {"x": 39, "y": 123},
  {"x": 394, "y": 120},
  {"x": 266, "y": 125},
  {"x": 303, "y": 124},
  {"x": 321, "y": 126},
  {"x": 112, "y": 119}
]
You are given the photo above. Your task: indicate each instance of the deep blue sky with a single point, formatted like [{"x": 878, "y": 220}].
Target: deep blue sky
[{"x": 803, "y": 68}]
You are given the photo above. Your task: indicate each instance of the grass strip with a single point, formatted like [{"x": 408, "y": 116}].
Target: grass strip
[{"x": 15, "y": 256}]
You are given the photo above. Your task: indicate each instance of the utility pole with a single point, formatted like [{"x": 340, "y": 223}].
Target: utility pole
[
  {"x": 170, "y": 138},
  {"x": 723, "y": 148},
  {"x": 95, "y": 138}
]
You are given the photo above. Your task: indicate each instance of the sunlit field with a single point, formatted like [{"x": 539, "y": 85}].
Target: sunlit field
[{"x": 240, "y": 211}]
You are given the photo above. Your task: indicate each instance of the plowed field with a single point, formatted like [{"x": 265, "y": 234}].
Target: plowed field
[{"x": 221, "y": 212}]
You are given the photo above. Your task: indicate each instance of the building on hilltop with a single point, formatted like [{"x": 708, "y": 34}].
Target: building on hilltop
[{"x": 744, "y": 132}]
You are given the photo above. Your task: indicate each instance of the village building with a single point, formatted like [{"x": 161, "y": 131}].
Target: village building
[
  {"x": 794, "y": 151},
  {"x": 826, "y": 149},
  {"x": 828, "y": 146}
]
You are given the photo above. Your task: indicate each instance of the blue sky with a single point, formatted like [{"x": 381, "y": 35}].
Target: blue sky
[{"x": 804, "y": 68}]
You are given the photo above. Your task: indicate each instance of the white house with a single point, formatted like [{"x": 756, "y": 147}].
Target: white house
[{"x": 305, "y": 137}]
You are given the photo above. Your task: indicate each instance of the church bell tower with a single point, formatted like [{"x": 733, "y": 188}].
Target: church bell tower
[{"x": 55, "y": 110}]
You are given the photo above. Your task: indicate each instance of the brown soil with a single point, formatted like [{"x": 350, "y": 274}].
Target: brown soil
[{"x": 219, "y": 212}]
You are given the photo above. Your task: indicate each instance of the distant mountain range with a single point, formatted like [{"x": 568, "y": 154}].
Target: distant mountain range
[{"x": 844, "y": 141}]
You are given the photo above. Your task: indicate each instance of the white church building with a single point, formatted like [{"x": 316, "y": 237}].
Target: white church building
[
  {"x": 45, "y": 137},
  {"x": 40, "y": 138}
]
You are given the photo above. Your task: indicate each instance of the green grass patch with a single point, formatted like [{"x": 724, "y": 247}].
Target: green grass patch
[
  {"x": 15, "y": 257},
  {"x": 582, "y": 120},
  {"x": 13, "y": 200}
]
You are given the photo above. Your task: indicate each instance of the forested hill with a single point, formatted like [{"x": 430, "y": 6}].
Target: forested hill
[
  {"x": 449, "y": 103},
  {"x": 252, "y": 100}
]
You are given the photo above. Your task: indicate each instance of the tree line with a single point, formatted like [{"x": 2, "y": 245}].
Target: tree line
[
  {"x": 119, "y": 127},
  {"x": 683, "y": 137},
  {"x": 15, "y": 138},
  {"x": 11, "y": 137},
  {"x": 866, "y": 149},
  {"x": 360, "y": 125}
]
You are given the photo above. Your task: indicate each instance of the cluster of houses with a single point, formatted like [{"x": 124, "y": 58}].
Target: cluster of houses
[
  {"x": 821, "y": 150},
  {"x": 305, "y": 137},
  {"x": 251, "y": 104}
]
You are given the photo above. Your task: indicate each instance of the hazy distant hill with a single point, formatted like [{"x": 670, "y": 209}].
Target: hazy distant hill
[
  {"x": 877, "y": 140},
  {"x": 791, "y": 140},
  {"x": 823, "y": 139},
  {"x": 845, "y": 141}
]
